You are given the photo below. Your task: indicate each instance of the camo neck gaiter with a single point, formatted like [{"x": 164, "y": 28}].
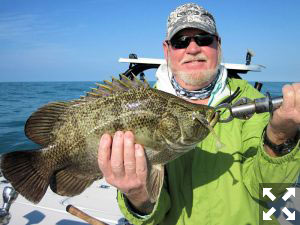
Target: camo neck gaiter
[{"x": 202, "y": 93}]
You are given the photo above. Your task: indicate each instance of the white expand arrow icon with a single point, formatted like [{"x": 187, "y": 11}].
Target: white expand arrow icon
[
  {"x": 289, "y": 193},
  {"x": 267, "y": 191},
  {"x": 267, "y": 215},
  {"x": 290, "y": 216}
]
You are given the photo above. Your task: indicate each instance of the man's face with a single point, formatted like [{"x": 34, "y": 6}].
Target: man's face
[{"x": 194, "y": 65}]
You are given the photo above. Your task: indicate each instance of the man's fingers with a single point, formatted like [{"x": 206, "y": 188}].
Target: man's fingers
[
  {"x": 141, "y": 162},
  {"x": 296, "y": 87},
  {"x": 129, "y": 154},
  {"x": 104, "y": 153},
  {"x": 288, "y": 98},
  {"x": 117, "y": 158}
]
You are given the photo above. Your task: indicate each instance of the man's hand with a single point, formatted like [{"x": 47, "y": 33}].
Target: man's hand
[
  {"x": 286, "y": 119},
  {"x": 124, "y": 165}
]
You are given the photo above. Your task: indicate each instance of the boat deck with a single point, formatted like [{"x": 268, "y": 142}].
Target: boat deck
[{"x": 98, "y": 201}]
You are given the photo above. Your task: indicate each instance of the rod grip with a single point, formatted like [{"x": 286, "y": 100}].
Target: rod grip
[{"x": 82, "y": 215}]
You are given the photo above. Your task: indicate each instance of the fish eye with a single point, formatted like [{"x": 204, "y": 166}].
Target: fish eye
[
  {"x": 200, "y": 118},
  {"x": 197, "y": 116},
  {"x": 194, "y": 116}
]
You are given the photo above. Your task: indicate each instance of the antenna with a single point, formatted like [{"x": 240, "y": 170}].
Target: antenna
[{"x": 249, "y": 55}]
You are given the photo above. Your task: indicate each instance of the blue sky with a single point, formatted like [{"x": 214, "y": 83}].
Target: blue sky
[{"x": 82, "y": 40}]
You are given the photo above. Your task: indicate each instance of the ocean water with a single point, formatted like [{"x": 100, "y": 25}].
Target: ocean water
[{"x": 19, "y": 99}]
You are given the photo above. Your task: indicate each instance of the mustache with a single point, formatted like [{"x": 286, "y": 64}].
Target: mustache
[{"x": 189, "y": 58}]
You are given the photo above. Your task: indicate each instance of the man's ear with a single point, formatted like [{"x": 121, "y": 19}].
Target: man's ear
[
  {"x": 166, "y": 49},
  {"x": 219, "y": 40}
]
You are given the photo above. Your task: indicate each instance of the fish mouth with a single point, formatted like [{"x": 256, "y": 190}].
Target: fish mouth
[{"x": 214, "y": 118}]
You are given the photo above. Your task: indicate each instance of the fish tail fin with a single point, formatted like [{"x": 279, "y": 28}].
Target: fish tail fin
[{"x": 23, "y": 170}]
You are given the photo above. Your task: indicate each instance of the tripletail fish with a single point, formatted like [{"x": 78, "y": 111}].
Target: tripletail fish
[{"x": 69, "y": 133}]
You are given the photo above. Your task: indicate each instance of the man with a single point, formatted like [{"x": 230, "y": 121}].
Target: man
[{"x": 208, "y": 185}]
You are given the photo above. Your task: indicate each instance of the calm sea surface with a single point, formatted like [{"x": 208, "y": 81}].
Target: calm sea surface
[{"x": 19, "y": 99}]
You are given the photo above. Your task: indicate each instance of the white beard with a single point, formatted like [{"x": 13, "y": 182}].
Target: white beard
[{"x": 197, "y": 78}]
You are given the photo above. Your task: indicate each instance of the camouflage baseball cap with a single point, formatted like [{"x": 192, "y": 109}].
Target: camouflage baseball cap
[{"x": 190, "y": 15}]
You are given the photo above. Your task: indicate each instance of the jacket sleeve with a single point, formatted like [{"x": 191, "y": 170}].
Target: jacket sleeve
[
  {"x": 258, "y": 168},
  {"x": 161, "y": 207}
]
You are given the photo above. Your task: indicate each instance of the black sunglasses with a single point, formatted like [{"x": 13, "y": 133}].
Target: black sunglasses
[{"x": 179, "y": 42}]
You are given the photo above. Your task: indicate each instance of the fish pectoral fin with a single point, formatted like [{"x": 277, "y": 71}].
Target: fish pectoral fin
[
  {"x": 24, "y": 171},
  {"x": 155, "y": 181},
  {"x": 65, "y": 182},
  {"x": 169, "y": 127}
]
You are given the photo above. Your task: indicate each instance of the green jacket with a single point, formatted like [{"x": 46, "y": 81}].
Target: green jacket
[{"x": 221, "y": 186}]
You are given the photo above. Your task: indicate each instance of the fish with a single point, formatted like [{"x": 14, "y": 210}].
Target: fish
[{"x": 68, "y": 133}]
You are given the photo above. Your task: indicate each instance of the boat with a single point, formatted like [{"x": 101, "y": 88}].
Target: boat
[{"x": 98, "y": 202}]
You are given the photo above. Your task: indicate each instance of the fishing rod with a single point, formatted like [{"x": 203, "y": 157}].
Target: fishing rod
[
  {"x": 245, "y": 108},
  {"x": 82, "y": 215}
]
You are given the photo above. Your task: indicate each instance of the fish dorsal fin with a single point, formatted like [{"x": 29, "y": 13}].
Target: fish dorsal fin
[
  {"x": 115, "y": 86},
  {"x": 39, "y": 125}
]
